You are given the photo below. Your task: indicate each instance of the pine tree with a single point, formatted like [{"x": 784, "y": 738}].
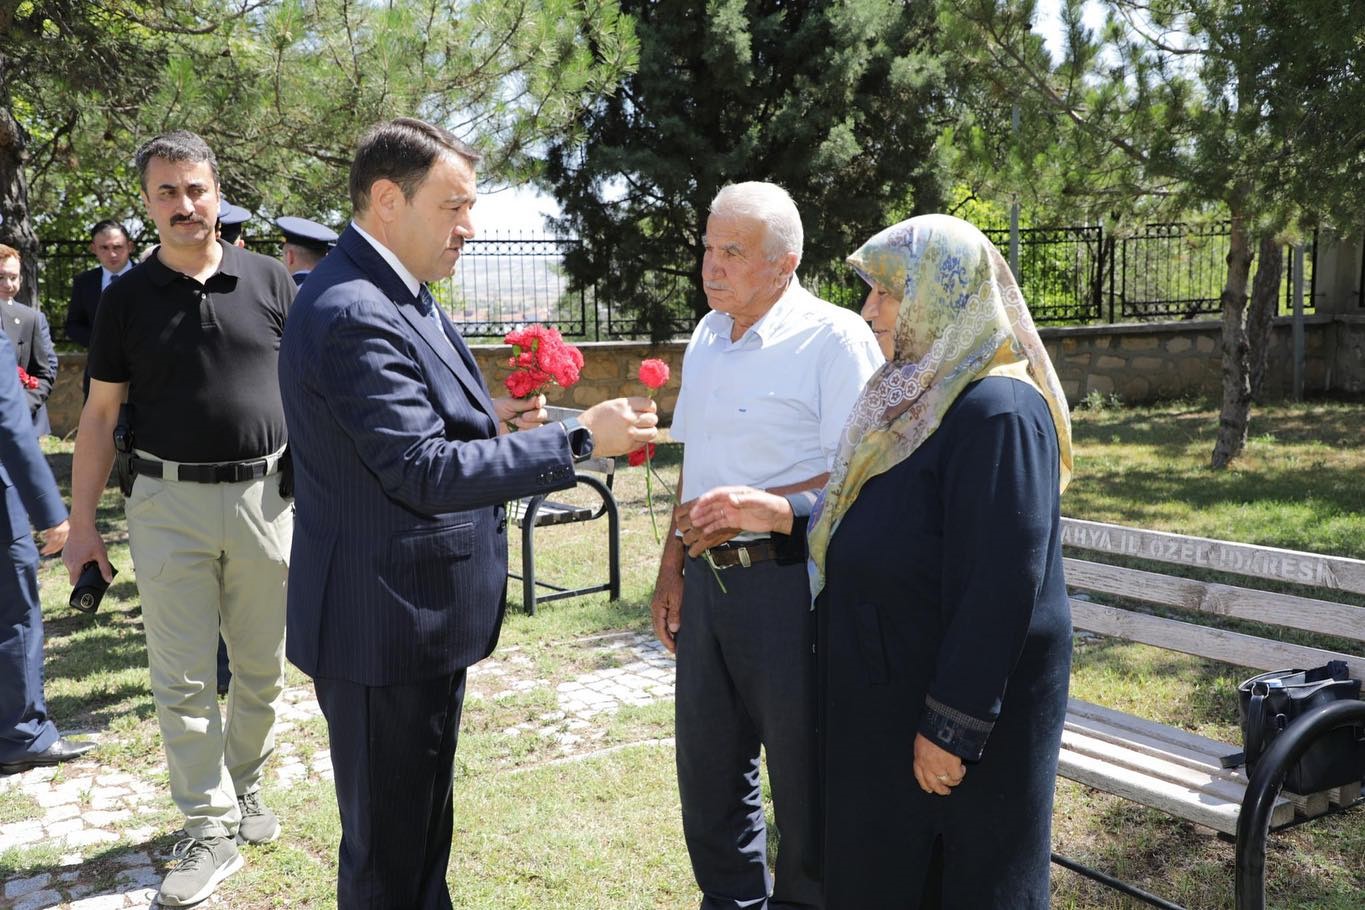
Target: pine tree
[{"x": 839, "y": 102}]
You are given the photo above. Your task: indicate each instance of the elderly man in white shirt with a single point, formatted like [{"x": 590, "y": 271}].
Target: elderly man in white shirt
[{"x": 768, "y": 380}]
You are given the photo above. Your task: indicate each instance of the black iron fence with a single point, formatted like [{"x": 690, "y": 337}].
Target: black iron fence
[{"x": 1069, "y": 275}]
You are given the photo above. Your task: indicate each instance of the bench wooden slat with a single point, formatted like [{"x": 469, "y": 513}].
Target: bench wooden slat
[
  {"x": 552, "y": 513},
  {"x": 1269, "y": 607},
  {"x": 1173, "y": 799},
  {"x": 1132, "y": 725},
  {"x": 1336, "y": 572},
  {"x": 1217, "y": 644},
  {"x": 1205, "y": 762},
  {"x": 1117, "y": 753}
]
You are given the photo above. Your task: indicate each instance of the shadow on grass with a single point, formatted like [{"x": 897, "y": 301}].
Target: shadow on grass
[{"x": 1177, "y": 860}]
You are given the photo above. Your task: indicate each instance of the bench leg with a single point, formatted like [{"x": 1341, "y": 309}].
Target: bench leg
[
  {"x": 528, "y": 554},
  {"x": 1253, "y": 822},
  {"x": 613, "y": 548}
]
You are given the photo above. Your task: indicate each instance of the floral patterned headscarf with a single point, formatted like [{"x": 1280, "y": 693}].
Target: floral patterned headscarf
[{"x": 962, "y": 318}]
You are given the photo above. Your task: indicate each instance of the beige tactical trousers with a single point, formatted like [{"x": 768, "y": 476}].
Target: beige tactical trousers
[{"x": 206, "y": 554}]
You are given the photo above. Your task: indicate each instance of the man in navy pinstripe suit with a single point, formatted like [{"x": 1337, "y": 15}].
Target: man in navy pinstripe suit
[{"x": 399, "y": 564}]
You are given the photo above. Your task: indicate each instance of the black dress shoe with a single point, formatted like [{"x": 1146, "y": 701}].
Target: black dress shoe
[{"x": 60, "y": 751}]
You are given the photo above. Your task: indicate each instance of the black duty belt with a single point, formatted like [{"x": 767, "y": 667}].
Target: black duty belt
[
  {"x": 741, "y": 553},
  {"x": 227, "y": 472}
]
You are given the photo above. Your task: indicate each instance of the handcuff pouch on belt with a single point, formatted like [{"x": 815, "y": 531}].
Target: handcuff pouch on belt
[{"x": 123, "y": 449}]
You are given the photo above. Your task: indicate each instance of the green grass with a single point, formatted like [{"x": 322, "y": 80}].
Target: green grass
[{"x": 534, "y": 830}]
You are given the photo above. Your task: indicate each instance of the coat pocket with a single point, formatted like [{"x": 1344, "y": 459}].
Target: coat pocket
[
  {"x": 426, "y": 568},
  {"x": 868, "y": 628}
]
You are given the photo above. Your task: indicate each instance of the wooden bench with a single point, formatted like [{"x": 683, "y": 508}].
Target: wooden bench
[
  {"x": 1175, "y": 770},
  {"x": 533, "y": 512}
]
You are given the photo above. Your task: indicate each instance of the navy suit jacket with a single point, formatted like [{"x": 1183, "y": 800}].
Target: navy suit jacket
[
  {"x": 399, "y": 565},
  {"x": 30, "y": 492},
  {"x": 85, "y": 299},
  {"x": 28, "y": 331}
]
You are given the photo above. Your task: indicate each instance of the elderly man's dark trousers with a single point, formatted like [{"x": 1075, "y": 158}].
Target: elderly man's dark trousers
[
  {"x": 393, "y": 759},
  {"x": 746, "y": 677},
  {"x": 24, "y": 726}
]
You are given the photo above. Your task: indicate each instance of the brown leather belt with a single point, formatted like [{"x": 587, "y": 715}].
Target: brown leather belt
[{"x": 740, "y": 553}]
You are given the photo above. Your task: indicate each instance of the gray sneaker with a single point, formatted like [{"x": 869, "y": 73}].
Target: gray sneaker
[
  {"x": 259, "y": 825},
  {"x": 200, "y": 866}
]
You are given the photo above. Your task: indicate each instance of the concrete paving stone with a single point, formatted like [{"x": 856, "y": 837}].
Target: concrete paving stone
[
  {"x": 19, "y": 840},
  {"x": 99, "y": 819},
  {"x": 64, "y": 827},
  {"x": 100, "y": 902},
  {"x": 39, "y": 900},
  {"x": 90, "y": 837},
  {"x": 65, "y": 810},
  {"x": 47, "y": 798},
  {"x": 114, "y": 779},
  {"x": 71, "y": 859},
  {"x": 104, "y": 803},
  {"x": 131, "y": 859},
  {"x": 139, "y": 835},
  {"x": 18, "y": 887},
  {"x": 143, "y": 877},
  {"x": 110, "y": 793}
]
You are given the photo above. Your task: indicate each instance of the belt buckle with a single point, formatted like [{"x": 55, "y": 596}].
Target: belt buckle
[
  {"x": 711, "y": 561},
  {"x": 744, "y": 557}
]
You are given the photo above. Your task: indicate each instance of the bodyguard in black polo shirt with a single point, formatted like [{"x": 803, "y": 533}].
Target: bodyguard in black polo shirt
[{"x": 191, "y": 338}]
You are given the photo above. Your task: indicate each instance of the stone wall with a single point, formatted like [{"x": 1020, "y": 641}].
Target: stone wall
[
  {"x": 1171, "y": 359},
  {"x": 1136, "y": 362}
]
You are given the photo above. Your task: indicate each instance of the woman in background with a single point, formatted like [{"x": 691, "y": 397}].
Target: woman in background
[{"x": 944, "y": 631}]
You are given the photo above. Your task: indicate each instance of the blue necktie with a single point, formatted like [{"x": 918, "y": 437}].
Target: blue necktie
[{"x": 425, "y": 302}]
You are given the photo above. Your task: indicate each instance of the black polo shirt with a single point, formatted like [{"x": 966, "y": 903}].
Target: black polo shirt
[{"x": 200, "y": 360}]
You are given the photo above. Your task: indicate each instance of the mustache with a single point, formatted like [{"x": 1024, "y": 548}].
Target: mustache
[{"x": 186, "y": 219}]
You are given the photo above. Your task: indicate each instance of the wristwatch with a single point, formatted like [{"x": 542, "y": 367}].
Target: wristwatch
[{"x": 580, "y": 439}]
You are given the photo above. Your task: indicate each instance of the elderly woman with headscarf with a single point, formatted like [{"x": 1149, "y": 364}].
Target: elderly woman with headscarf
[{"x": 935, "y": 558}]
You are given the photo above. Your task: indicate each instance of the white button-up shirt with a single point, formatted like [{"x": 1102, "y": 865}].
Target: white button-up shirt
[{"x": 769, "y": 409}]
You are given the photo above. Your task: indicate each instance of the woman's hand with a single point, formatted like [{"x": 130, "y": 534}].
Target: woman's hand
[
  {"x": 937, "y": 770},
  {"x": 744, "y": 508}
]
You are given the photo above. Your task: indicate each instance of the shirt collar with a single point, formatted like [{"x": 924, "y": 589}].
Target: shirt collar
[
  {"x": 161, "y": 274},
  {"x": 107, "y": 275},
  {"x": 768, "y": 323},
  {"x": 412, "y": 284}
]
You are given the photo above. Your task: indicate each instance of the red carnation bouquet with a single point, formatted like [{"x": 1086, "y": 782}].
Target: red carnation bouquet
[
  {"x": 27, "y": 381},
  {"x": 540, "y": 358}
]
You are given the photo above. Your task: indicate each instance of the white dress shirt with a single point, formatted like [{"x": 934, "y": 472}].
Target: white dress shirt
[{"x": 769, "y": 409}]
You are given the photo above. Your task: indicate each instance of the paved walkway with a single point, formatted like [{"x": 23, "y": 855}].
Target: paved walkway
[{"x": 86, "y": 808}]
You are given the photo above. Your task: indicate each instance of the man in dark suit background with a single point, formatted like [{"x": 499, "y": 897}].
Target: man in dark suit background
[
  {"x": 111, "y": 245},
  {"x": 28, "y": 332},
  {"x": 28, "y": 738},
  {"x": 399, "y": 566}
]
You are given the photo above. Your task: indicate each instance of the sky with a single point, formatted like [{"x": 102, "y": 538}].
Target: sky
[{"x": 523, "y": 209}]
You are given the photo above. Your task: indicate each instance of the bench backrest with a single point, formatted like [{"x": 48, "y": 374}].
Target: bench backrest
[
  {"x": 1326, "y": 577},
  {"x": 602, "y": 465}
]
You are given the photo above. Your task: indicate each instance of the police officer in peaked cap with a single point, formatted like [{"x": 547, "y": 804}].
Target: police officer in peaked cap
[{"x": 305, "y": 243}]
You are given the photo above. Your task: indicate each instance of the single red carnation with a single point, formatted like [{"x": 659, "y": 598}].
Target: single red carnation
[
  {"x": 654, "y": 373},
  {"x": 27, "y": 381},
  {"x": 640, "y": 455}
]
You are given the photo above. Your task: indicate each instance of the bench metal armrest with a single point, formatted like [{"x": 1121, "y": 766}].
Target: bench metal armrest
[{"x": 1253, "y": 823}]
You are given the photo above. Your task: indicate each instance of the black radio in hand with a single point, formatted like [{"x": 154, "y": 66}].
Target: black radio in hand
[{"x": 90, "y": 587}]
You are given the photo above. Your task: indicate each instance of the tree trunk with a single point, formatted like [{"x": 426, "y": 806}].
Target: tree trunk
[
  {"x": 1232, "y": 420},
  {"x": 1265, "y": 300},
  {"x": 16, "y": 231}
]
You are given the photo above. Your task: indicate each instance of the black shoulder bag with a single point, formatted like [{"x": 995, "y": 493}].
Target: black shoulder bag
[{"x": 1271, "y": 702}]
